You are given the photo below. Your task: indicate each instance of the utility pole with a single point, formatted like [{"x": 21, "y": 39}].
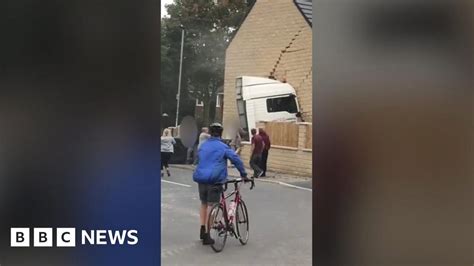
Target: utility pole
[{"x": 179, "y": 78}]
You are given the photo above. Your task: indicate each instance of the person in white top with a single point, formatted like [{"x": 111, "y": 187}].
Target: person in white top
[
  {"x": 167, "y": 149},
  {"x": 202, "y": 138}
]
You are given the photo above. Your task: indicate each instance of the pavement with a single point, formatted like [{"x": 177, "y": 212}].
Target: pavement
[{"x": 280, "y": 218}]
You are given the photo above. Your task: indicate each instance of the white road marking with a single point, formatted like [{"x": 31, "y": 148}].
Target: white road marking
[
  {"x": 287, "y": 185},
  {"x": 262, "y": 180},
  {"x": 175, "y": 183}
]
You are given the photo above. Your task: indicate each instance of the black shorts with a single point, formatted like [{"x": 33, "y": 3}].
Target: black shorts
[{"x": 209, "y": 194}]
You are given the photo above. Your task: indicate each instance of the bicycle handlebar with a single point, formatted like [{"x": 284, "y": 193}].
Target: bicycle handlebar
[{"x": 238, "y": 180}]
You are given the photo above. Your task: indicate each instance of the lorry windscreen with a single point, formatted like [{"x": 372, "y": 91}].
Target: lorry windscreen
[{"x": 282, "y": 104}]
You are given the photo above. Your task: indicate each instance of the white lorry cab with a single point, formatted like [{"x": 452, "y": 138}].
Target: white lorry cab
[{"x": 263, "y": 99}]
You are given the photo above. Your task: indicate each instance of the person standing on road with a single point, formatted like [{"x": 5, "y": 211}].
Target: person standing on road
[
  {"x": 211, "y": 173},
  {"x": 236, "y": 143},
  {"x": 256, "y": 153},
  {"x": 203, "y": 137},
  {"x": 167, "y": 149},
  {"x": 266, "y": 148}
]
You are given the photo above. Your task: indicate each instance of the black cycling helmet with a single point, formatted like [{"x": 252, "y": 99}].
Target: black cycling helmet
[{"x": 215, "y": 129}]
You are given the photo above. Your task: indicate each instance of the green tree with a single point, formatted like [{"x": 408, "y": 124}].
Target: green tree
[{"x": 209, "y": 27}]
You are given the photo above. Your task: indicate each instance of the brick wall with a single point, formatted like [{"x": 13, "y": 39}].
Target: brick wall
[{"x": 274, "y": 38}]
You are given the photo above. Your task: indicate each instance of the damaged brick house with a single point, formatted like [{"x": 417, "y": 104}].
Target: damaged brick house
[{"x": 274, "y": 40}]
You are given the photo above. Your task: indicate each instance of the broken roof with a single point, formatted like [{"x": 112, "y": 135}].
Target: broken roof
[{"x": 306, "y": 9}]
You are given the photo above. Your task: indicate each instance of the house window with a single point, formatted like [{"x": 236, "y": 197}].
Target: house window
[{"x": 282, "y": 104}]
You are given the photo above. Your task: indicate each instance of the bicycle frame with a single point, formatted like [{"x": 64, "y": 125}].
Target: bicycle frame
[
  {"x": 237, "y": 200},
  {"x": 226, "y": 226}
]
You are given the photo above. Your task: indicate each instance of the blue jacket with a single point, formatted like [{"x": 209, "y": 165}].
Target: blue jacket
[{"x": 212, "y": 165}]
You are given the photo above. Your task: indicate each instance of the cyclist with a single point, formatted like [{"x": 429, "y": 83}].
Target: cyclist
[{"x": 211, "y": 173}]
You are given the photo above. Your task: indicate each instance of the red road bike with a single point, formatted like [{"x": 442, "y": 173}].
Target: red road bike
[{"x": 230, "y": 220}]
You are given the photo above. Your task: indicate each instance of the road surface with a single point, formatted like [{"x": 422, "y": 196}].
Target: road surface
[{"x": 280, "y": 225}]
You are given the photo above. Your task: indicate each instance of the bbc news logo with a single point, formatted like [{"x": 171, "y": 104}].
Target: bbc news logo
[{"x": 66, "y": 237}]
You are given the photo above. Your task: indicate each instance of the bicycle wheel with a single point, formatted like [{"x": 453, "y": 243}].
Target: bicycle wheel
[
  {"x": 217, "y": 227},
  {"x": 242, "y": 222}
]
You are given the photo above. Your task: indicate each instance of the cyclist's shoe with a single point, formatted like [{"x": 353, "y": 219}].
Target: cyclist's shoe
[
  {"x": 202, "y": 233},
  {"x": 207, "y": 239}
]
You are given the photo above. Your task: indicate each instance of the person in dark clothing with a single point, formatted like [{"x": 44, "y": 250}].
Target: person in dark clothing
[
  {"x": 266, "y": 148},
  {"x": 256, "y": 153}
]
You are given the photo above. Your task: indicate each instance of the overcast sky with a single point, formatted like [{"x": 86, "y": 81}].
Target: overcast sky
[{"x": 163, "y": 3}]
